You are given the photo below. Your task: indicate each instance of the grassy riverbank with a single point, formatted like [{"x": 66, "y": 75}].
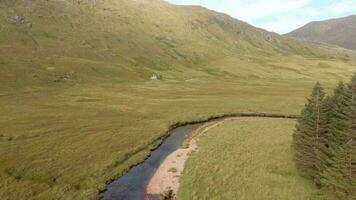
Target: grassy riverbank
[
  {"x": 69, "y": 142},
  {"x": 245, "y": 159}
]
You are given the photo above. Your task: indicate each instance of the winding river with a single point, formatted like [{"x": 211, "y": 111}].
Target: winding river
[{"x": 132, "y": 186}]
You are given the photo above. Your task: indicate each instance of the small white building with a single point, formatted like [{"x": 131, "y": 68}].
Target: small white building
[{"x": 156, "y": 77}]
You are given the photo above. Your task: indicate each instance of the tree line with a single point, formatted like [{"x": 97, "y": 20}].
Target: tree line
[{"x": 324, "y": 142}]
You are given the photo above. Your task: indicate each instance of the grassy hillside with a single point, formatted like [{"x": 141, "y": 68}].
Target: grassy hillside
[
  {"x": 257, "y": 164},
  {"x": 340, "y": 31},
  {"x": 77, "y": 104}
]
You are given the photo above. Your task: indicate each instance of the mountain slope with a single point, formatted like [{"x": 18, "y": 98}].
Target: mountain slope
[
  {"x": 129, "y": 34},
  {"x": 339, "y": 32},
  {"x": 78, "y": 108}
]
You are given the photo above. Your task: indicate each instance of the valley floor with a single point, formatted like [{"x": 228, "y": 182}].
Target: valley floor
[
  {"x": 66, "y": 143},
  {"x": 66, "y": 140},
  {"x": 245, "y": 159}
]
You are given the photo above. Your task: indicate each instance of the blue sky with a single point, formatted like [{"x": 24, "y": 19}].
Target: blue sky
[{"x": 280, "y": 16}]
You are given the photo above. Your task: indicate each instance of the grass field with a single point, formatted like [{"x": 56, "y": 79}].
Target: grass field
[
  {"x": 247, "y": 159},
  {"x": 66, "y": 143},
  {"x": 78, "y": 108}
]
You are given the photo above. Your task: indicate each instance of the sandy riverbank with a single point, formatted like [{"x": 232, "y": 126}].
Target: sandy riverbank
[{"x": 168, "y": 174}]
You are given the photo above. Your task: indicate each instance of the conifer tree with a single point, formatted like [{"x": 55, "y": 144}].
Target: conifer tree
[
  {"x": 325, "y": 140},
  {"x": 310, "y": 136},
  {"x": 328, "y": 104},
  {"x": 340, "y": 122},
  {"x": 340, "y": 176},
  {"x": 352, "y": 87}
]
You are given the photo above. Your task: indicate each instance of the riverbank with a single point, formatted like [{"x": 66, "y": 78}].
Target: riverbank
[
  {"x": 250, "y": 159},
  {"x": 133, "y": 184},
  {"x": 167, "y": 176}
]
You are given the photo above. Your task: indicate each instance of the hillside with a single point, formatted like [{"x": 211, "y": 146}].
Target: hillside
[
  {"x": 339, "y": 32},
  {"x": 127, "y": 38},
  {"x": 78, "y": 108}
]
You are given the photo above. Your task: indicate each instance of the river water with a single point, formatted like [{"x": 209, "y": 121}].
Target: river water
[{"x": 132, "y": 186}]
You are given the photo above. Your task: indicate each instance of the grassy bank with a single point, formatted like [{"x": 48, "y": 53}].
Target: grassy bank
[
  {"x": 67, "y": 143},
  {"x": 248, "y": 159}
]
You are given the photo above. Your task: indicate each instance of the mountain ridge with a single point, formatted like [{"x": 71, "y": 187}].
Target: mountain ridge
[
  {"x": 150, "y": 36},
  {"x": 336, "y": 31}
]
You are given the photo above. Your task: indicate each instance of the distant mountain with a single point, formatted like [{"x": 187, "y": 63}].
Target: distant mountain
[{"x": 340, "y": 31}]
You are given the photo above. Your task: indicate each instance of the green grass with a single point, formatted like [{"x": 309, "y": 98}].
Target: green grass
[
  {"x": 246, "y": 159},
  {"x": 69, "y": 140},
  {"x": 77, "y": 108}
]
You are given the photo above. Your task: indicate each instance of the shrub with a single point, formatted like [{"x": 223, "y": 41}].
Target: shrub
[{"x": 167, "y": 195}]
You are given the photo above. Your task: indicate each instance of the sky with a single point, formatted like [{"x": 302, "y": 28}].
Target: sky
[{"x": 280, "y": 16}]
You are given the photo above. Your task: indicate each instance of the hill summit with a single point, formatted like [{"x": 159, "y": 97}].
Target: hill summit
[{"x": 340, "y": 31}]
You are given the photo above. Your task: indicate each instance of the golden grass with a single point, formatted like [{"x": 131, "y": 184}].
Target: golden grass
[
  {"x": 66, "y": 141},
  {"x": 246, "y": 159}
]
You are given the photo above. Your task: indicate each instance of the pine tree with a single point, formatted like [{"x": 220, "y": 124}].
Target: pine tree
[
  {"x": 325, "y": 140},
  {"x": 310, "y": 136},
  {"x": 340, "y": 117},
  {"x": 340, "y": 176},
  {"x": 352, "y": 87},
  {"x": 328, "y": 104}
]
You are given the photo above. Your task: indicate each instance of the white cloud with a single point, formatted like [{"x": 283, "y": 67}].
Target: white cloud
[
  {"x": 265, "y": 8},
  {"x": 341, "y": 7},
  {"x": 285, "y": 23},
  {"x": 280, "y": 16}
]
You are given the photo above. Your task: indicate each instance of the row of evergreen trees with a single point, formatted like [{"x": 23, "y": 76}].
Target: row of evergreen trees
[{"x": 324, "y": 142}]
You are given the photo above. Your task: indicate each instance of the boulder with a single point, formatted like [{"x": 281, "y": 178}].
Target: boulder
[{"x": 19, "y": 20}]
